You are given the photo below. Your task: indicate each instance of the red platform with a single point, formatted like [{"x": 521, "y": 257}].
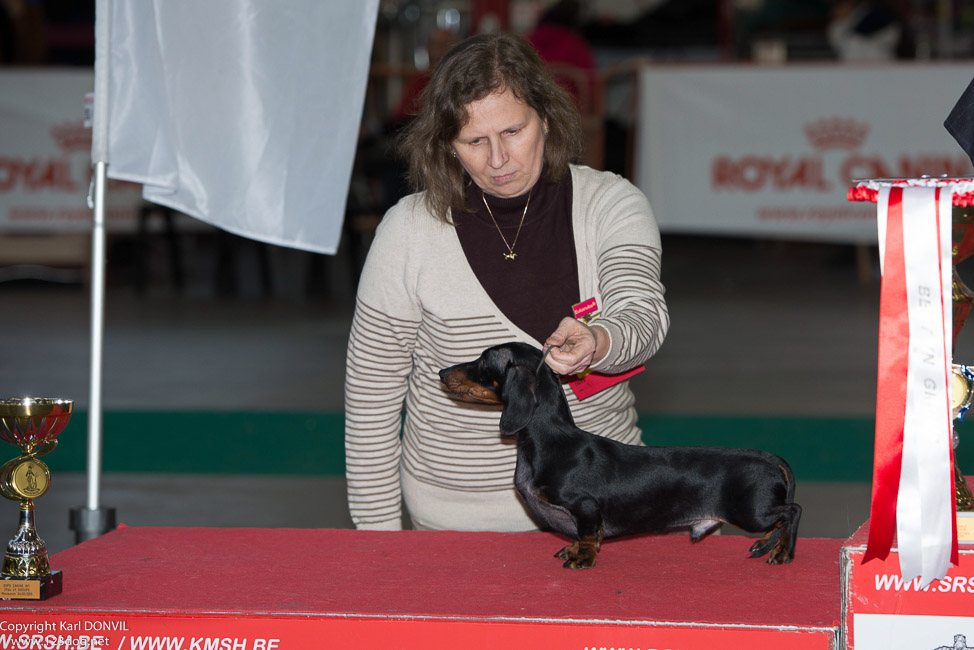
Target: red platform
[
  {"x": 881, "y": 610},
  {"x": 253, "y": 589}
]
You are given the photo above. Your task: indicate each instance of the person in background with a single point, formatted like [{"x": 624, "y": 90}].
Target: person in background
[
  {"x": 503, "y": 235},
  {"x": 860, "y": 30},
  {"x": 559, "y": 42},
  {"x": 376, "y": 151},
  {"x": 23, "y": 39},
  {"x": 439, "y": 41}
]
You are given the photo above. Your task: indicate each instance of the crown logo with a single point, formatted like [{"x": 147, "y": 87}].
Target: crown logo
[
  {"x": 836, "y": 133},
  {"x": 71, "y": 136}
]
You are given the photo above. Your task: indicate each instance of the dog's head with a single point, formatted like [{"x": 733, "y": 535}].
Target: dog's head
[{"x": 504, "y": 374}]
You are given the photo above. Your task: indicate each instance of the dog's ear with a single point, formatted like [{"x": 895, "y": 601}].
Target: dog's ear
[{"x": 519, "y": 399}]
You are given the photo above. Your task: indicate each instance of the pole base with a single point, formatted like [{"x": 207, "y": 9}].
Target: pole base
[{"x": 89, "y": 524}]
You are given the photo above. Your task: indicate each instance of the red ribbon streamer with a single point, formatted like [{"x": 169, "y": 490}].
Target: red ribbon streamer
[{"x": 894, "y": 337}]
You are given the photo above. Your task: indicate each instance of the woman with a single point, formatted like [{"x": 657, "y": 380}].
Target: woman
[{"x": 502, "y": 238}]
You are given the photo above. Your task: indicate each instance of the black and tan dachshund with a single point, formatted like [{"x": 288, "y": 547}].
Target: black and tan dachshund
[{"x": 588, "y": 487}]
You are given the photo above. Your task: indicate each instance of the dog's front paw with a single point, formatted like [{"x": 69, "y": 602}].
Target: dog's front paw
[{"x": 578, "y": 556}]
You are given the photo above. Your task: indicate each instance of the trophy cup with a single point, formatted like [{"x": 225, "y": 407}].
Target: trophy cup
[
  {"x": 962, "y": 380},
  {"x": 32, "y": 424}
]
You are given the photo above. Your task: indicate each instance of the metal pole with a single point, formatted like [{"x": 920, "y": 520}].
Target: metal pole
[
  {"x": 91, "y": 521},
  {"x": 97, "y": 337}
]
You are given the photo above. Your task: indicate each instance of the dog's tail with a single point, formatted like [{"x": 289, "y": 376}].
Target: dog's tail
[{"x": 789, "y": 480}]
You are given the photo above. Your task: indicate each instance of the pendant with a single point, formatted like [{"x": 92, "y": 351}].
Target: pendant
[{"x": 510, "y": 256}]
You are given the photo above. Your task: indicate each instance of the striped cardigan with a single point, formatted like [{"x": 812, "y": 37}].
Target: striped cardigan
[{"x": 420, "y": 308}]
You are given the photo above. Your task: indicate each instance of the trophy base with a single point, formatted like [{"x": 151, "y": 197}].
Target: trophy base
[{"x": 39, "y": 588}]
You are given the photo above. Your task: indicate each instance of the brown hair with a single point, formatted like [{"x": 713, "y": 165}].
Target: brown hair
[{"x": 470, "y": 71}]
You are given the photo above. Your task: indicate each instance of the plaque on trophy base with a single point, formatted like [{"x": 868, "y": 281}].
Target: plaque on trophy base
[
  {"x": 965, "y": 527},
  {"x": 13, "y": 587}
]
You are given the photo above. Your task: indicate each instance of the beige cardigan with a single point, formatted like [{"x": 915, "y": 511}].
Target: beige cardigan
[{"x": 420, "y": 308}]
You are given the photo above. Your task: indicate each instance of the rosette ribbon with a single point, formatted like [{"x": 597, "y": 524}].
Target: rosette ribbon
[{"x": 913, "y": 484}]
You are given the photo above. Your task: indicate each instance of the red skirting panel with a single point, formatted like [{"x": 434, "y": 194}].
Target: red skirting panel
[
  {"x": 257, "y": 589},
  {"x": 882, "y": 610}
]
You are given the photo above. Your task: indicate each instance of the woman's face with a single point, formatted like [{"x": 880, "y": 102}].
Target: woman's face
[{"x": 502, "y": 145}]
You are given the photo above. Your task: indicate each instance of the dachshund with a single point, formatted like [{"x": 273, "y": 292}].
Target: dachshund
[{"x": 588, "y": 487}]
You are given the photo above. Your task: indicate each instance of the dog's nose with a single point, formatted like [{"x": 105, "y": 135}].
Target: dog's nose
[{"x": 443, "y": 375}]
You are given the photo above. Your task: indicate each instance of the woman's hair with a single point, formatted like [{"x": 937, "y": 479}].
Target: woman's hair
[{"x": 470, "y": 71}]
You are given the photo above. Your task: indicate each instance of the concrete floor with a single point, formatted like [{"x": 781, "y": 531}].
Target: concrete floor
[{"x": 757, "y": 328}]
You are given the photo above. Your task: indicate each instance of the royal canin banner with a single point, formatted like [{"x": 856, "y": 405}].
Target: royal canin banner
[
  {"x": 771, "y": 151},
  {"x": 45, "y": 156}
]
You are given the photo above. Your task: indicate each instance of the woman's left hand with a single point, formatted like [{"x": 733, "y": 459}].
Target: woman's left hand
[{"x": 575, "y": 346}]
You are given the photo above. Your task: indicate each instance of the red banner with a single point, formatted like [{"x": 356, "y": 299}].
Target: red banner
[{"x": 83, "y": 631}]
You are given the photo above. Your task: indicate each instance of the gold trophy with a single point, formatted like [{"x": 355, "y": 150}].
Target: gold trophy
[{"x": 32, "y": 424}]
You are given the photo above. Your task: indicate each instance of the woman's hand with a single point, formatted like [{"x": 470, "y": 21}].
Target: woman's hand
[{"x": 575, "y": 346}]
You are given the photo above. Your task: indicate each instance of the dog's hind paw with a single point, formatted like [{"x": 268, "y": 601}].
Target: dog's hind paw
[
  {"x": 781, "y": 556},
  {"x": 759, "y": 548},
  {"x": 578, "y": 556},
  {"x": 764, "y": 544}
]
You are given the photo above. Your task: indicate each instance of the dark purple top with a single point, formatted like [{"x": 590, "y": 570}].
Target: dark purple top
[{"x": 538, "y": 288}]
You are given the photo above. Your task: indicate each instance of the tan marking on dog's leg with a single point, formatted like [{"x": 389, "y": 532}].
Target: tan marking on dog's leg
[{"x": 778, "y": 554}]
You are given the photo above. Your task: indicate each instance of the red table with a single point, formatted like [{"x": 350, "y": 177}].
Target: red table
[{"x": 258, "y": 589}]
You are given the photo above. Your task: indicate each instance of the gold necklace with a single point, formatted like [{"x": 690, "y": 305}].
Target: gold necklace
[{"x": 510, "y": 254}]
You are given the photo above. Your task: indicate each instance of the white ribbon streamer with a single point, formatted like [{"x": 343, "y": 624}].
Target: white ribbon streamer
[{"x": 923, "y": 510}]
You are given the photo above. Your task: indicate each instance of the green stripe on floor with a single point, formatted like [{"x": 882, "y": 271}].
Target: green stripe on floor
[
  {"x": 307, "y": 443},
  {"x": 209, "y": 442},
  {"x": 818, "y": 449}
]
